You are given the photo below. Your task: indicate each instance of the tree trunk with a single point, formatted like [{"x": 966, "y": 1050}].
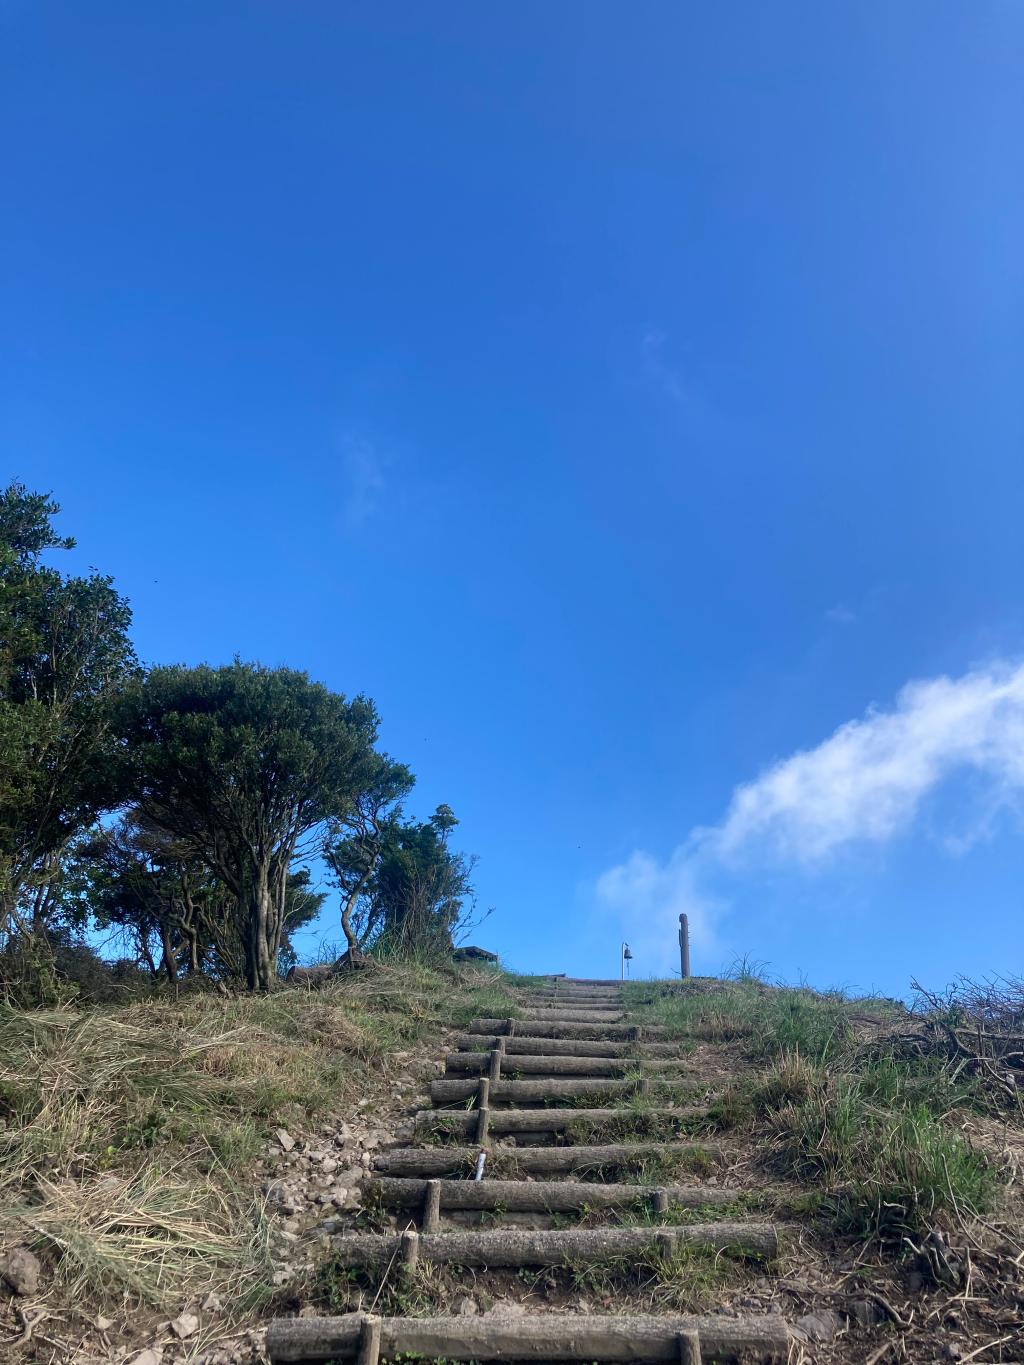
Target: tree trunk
[
  {"x": 266, "y": 920},
  {"x": 169, "y": 965}
]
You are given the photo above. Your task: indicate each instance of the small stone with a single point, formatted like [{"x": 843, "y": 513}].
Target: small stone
[
  {"x": 185, "y": 1326},
  {"x": 328, "y": 1165},
  {"x": 505, "y": 1308},
  {"x": 820, "y": 1326},
  {"x": 864, "y": 1312},
  {"x": 466, "y": 1307},
  {"x": 280, "y": 1277},
  {"x": 103, "y": 1324},
  {"x": 212, "y": 1303},
  {"x": 20, "y": 1271},
  {"x": 285, "y": 1139},
  {"x": 153, "y": 1355}
]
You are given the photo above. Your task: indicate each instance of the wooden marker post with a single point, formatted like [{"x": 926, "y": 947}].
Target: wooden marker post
[{"x": 684, "y": 947}]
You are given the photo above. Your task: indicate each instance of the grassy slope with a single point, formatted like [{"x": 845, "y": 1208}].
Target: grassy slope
[
  {"x": 873, "y": 1135},
  {"x": 127, "y": 1135}
]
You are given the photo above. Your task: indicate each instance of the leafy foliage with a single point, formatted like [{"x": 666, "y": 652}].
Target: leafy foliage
[
  {"x": 239, "y": 765},
  {"x": 65, "y": 658}
]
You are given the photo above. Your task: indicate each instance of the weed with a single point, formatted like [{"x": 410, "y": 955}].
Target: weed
[{"x": 891, "y": 1168}]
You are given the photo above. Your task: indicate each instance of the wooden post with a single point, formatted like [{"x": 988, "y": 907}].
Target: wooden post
[
  {"x": 483, "y": 1125},
  {"x": 432, "y": 1206},
  {"x": 369, "y": 1340},
  {"x": 410, "y": 1249},
  {"x": 660, "y": 1201},
  {"x": 483, "y": 1102},
  {"x": 689, "y": 1347},
  {"x": 684, "y": 947},
  {"x": 494, "y": 1068}
]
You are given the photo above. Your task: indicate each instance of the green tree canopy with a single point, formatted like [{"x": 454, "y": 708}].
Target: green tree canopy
[
  {"x": 65, "y": 657},
  {"x": 422, "y": 890},
  {"x": 244, "y": 766}
]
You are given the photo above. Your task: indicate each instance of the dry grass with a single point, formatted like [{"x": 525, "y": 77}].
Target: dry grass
[{"x": 127, "y": 1134}]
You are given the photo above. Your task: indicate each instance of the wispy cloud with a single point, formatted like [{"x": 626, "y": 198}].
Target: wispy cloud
[
  {"x": 841, "y": 615},
  {"x": 364, "y": 470},
  {"x": 645, "y": 897},
  {"x": 866, "y": 783}
]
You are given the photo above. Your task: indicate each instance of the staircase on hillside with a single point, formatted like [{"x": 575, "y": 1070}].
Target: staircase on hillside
[{"x": 575, "y": 1067}]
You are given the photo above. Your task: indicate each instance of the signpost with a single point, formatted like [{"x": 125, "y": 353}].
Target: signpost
[{"x": 684, "y": 947}]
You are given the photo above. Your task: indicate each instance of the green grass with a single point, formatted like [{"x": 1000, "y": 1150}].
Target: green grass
[
  {"x": 878, "y": 1144},
  {"x": 876, "y": 1134},
  {"x": 690, "y": 1279},
  {"x": 769, "y": 1021}
]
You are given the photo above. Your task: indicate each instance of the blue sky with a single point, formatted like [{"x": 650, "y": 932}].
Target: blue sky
[{"x": 625, "y": 396}]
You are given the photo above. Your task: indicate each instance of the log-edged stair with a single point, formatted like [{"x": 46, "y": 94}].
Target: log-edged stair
[{"x": 525, "y": 1081}]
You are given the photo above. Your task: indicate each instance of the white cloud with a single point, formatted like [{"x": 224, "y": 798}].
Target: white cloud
[
  {"x": 865, "y": 783},
  {"x": 841, "y": 615},
  {"x": 647, "y": 897}
]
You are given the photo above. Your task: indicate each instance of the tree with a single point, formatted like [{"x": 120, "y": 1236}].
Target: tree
[
  {"x": 357, "y": 841},
  {"x": 65, "y": 657},
  {"x": 244, "y": 766},
  {"x": 422, "y": 890}
]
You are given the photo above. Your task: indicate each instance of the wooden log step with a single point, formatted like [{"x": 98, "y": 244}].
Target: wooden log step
[
  {"x": 618, "y": 1156},
  {"x": 586, "y": 981},
  {"x": 548, "y": 1028},
  {"x": 593, "y": 987},
  {"x": 541, "y": 1337},
  {"x": 477, "y": 1064},
  {"x": 588, "y": 1005},
  {"x": 463, "y": 1123},
  {"x": 608, "y": 999},
  {"x": 564, "y": 1047},
  {"x": 503, "y": 1247},
  {"x": 544, "y": 1196},
  {"x": 570, "y": 1015},
  {"x": 532, "y": 1092}
]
